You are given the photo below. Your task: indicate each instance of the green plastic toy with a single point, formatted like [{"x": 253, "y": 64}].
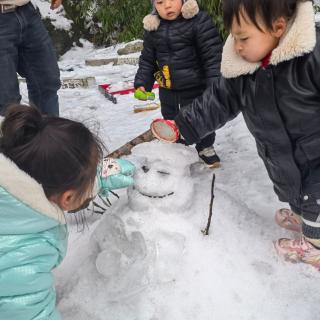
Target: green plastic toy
[{"x": 144, "y": 96}]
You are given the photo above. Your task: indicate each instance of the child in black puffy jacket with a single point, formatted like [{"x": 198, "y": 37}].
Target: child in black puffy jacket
[{"x": 182, "y": 51}]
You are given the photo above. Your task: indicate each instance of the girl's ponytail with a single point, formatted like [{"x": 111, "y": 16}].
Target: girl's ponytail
[{"x": 19, "y": 127}]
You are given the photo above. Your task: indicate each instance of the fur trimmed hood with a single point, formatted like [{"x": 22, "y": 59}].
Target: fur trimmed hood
[
  {"x": 27, "y": 190},
  {"x": 189, "y": 9},
  {"x": 299, "y": 39}
]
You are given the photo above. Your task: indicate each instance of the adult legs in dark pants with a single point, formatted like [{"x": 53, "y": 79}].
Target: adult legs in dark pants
[{"x": 25, "y": 47}]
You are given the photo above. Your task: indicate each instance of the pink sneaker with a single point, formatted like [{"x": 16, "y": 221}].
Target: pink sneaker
[
  {"x": 299, "y": 250},
  {"x": 287, "y": 219}
]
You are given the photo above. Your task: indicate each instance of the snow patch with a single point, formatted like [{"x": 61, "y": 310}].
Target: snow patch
[{"x": 57, "y": 16}]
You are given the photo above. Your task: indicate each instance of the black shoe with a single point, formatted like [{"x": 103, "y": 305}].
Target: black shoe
[{"x": 209, "y": 157}]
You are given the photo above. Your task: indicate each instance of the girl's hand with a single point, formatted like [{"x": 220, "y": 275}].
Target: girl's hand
[
  {"x": 55, "y": 4},
  {"x": 115, "y": 174}
]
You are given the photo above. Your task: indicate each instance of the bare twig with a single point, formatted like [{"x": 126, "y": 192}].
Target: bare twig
[
  {"x": 95, "y": 204},
  {"x": 106, "y": 202},
  {"x": 115, "y": 194},
  {"x": 126, "y": 148},
  {"x": 206, "y": 230}
]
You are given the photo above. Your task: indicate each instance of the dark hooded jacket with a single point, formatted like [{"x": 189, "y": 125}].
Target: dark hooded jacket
[
  {"x": 280, "y": 105},
  {"x": 185, "y": 52}
]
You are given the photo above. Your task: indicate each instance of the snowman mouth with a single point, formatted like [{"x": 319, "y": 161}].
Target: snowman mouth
[
  {"x": 156, "y": 197},
  {"x": 153, "y": 196}
]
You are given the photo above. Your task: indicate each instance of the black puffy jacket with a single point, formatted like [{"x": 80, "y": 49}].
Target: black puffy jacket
[
  {"x": 280, "y": 105},
  {"x": 191, "y": 48}
]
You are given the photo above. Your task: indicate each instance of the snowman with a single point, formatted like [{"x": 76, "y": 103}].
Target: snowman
[
  {"x": 163, "y": 183},
  {"x": 133, "y": 248},
  {"x": 163, "y": 178}
]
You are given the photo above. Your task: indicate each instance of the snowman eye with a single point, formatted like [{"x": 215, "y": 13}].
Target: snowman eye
[{"x": 163, "y": 172}]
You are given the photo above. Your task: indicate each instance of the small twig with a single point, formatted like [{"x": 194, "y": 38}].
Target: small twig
[
  {"x": 116, "y": 195},
  {"x": 206, "y": 230},
  {"x": 107, "y": 204},
  {"x": 98, "y": 206},
  {"x": 99, "y": 212}
]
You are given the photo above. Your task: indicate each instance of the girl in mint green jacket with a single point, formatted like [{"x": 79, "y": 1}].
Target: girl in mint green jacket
[{"x": 48, "y": 165}]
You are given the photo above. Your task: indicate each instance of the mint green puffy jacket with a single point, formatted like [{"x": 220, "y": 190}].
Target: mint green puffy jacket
[{"x": 33, "y": 241}]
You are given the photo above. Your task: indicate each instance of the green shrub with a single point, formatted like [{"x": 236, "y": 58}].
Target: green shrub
[
  {"x": 107, "y": 22},
  {"x": 213, "y": 7}
]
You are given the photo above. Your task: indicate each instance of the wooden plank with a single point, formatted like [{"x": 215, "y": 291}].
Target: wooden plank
[{"x": 146, "y": 107}]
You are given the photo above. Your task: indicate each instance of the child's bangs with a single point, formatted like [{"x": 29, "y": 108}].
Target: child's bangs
[
  {"x": 246, "y": 9},
  {"x": 265, "y": 11}
]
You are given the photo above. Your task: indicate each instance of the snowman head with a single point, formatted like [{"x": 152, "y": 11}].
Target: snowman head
[{"x": 162, "y": 179}]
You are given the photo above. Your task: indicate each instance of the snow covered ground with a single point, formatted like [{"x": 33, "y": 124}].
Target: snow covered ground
[{"x": 146, "y": 258}]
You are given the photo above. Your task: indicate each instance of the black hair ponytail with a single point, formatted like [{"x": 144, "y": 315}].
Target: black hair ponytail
[{"x": 20, "y": 126}]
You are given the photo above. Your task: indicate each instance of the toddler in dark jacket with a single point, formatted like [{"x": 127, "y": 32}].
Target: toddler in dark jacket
[
  {"x": 270, "y": 72},
  {"x": 182, "y": 51}
]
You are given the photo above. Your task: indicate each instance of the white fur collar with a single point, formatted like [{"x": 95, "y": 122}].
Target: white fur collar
[
  {"x": 299, "y": 39},
  {"x": 189, "y": 9},
  {"x": 27, "y": 190}
]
